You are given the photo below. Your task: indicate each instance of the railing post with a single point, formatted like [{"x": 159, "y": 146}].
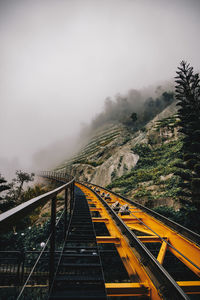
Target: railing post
[
  {"x": 52, "y": 241},
  {"x": 18, "y": 268},
  {"x": 22, "y": 267},
  {"x": 65, "y": 212},
  {"x": 71, "y": 198},
  {"x": 73, "y": 186}
]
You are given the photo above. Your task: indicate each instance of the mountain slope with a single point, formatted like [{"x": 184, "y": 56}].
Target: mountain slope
[
  {"x": 152, "y": 181},
  {"x": 114, "y": 153},
  {"x": 106, "y": 156}
]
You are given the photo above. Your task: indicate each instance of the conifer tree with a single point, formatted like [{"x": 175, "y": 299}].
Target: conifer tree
[
  {"x": 3, "y": 187},
  {"x": 188, "y": 96}
]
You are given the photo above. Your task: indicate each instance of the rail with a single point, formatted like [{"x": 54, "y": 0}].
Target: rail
[
  {"x": 12, "y": 216},
  {"x": 165, "y": 284},
  {"x": 193, "y": 236},
  {"x": 59, "y": 272}
]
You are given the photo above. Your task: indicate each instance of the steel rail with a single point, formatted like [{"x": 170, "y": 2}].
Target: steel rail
[
  {"x": 165, "y": 284},
  {"x": 185, "y": 232},
  {"x": 79, "y": 287},
  {"x": 165, "y": 241},
  {"x": 10, "y": 217},
  {"x": 58, "y": 176}
]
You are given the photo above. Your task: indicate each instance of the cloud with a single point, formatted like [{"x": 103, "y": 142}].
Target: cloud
[{"x": 59, "y": 60}]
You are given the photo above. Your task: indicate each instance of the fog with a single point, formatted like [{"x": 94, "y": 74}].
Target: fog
[{"x": 60, "y": 59}]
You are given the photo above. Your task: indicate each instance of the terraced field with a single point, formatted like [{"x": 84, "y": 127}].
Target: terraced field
[{"x": 91, "y": 153}]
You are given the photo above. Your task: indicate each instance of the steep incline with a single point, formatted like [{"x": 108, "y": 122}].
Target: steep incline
[{"x": 107, "y": 155}]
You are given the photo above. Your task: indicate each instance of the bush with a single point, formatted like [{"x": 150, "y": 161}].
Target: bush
[
  {"x": 195, "y": 185},
  {"x": 191, "y": 163},
  {"x": 184, "y": 174},
  {"x": 151, "y": 165},
  {"x": 197, "y": 169},
  {"x": 29, "y": 238},
  {"x": 143, "y": 193},
  {"x": 141, "y": 149},
  {"x": 187, "y": 216}
]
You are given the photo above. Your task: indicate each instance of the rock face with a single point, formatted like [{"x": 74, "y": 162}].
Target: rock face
[
  {"x": 121, "y": 162},
  {"x": 108, "y": 154}
]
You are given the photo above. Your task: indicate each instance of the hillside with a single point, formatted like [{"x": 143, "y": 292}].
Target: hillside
[
  {"x": 152, "y": 181},
  {"x": 106, "y": 156},
  {"x": 137, "y": 164}
]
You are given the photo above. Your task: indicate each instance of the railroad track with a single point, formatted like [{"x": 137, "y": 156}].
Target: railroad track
[
  {"x": 113, "y": 247},
  {"x": 79, "y": 274},
  {"x": 130, "y": 232}
]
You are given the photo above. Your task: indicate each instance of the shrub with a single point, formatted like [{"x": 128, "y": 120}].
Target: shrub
[
  {"x": 184, "y": 174},
  {"x": 197, "y": 169},
  {"x": 143, "y": 193},
  {"x": 141, "y": 149}
]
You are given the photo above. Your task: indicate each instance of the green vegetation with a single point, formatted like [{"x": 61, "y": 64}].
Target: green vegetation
[
  {"x": 15, "y": 193},
  {"x": 95, "y": 152},
  {"x": 88, "y": 162},
  {"x": 30, "y": 237},
  {"x": 167, "y": 168},
  {"x": 120, "y": 162},
  {"x": 143, "y": 193},
  {"x": 3, "y": 187},
  {"x": 142, "y": 110},
  {"x": 113, "y": 174},
  {"x": 187, "y": 94},
  {"x": 26, "y": 234},
  {"x": 187, "y": 216},
  {"x": 152, "y": 165},
  {"x": 170, "y": 123},
  {"x": 21, "y": 178}
]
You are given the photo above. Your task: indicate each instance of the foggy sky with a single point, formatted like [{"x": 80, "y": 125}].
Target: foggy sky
[{"x": 60, "y": 59}]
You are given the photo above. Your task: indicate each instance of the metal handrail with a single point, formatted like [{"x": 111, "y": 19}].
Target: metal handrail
[
  {"x": 51, "y": 261},
  {"x": 11, "y": 217}
]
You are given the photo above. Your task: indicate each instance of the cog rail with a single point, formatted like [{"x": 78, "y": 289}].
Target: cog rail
[
  {"x": 187, "y": 233},
  {"x": 165, "y": 284}
]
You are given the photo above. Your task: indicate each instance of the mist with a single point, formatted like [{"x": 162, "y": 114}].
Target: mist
[{"x": 59, "y": 61}]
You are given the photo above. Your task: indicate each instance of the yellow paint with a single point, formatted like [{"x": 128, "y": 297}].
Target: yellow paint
[
  {"x": 162, "y": 252},
  {"x": 128, "y": 289},
  {"x": 130, "y": 261},
  {"x": 182, "y": 244},
  {"x": 190, "y": 287}
]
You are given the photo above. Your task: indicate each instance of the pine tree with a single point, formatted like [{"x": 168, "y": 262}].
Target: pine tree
[
  {"x": 3, "y": 187},
  {"x": 188, "y": 96}
]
